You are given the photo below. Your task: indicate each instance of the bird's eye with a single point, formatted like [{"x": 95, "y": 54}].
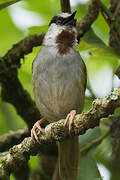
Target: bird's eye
[{"x": 58, "y": 21}]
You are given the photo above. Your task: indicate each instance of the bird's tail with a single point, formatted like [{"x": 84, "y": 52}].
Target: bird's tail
[{"x": 68, "y": 158}]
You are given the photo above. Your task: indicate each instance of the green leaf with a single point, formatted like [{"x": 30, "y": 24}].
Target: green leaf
[
  {"x": 33, "y": 162},
  {"x": 117, "y": 111},
  {"x": 91, "y": 38},
  {"x": 88, "y": 167},
  {"x": 88, "y": 103},
  {"x": 100, "y": 61},
  {"x": 97, "y": 56},
  {"x": 101, "y": 28},
  {"x": 104, "y": 150}
]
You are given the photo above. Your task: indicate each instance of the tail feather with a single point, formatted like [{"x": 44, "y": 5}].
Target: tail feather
[{"x": 68, "y": 158}]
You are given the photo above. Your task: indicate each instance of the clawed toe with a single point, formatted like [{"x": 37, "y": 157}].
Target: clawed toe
[
  {"x": 37, "y": 127},
  {"x": 34, "y": 134},
  {"x": 70, "y": 119}
]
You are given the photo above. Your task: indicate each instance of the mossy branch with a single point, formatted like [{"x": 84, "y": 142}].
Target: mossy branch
[
  {"x": 19, "y": 154},
  {"x": 11, "y": 138},
  {"x": 12, "y": 90},
  {"x": 19, "y": 50}
]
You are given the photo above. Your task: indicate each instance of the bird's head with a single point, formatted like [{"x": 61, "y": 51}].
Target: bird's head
[{"x": 62, "y": 32}]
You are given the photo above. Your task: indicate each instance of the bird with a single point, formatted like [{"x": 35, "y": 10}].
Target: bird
[{"x": 59, "y": 79}]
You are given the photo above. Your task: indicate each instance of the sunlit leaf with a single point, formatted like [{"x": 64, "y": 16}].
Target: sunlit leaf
[
  {"x": 101, "y": 28},
  {"x": 88, "y": 103},
  {"x": 91, "y": 38}
]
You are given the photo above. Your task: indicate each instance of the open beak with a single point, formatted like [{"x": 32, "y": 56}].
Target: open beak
[{"x": 70, "y": 21}]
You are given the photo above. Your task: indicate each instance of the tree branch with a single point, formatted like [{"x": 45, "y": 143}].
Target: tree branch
[
  {"x": 6, "y": 4},
  {"x": 22, "y": 48},
  {"x": 11, "y": 62},
  {"x": 21, "y": 100},
  {"x": 19, "y": 154},
  {"x": 13, "y": 92},
  {"x": 65, "y": 6},
  {"x": 113, "y": 23},
  {"x": 84, "y": 25},
  {"x": 11, "y": 138}
]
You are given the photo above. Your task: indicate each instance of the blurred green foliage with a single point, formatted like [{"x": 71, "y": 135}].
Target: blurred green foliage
[
  {"x": 93, "y": 48},
  {"x": 88, "y": 166}
]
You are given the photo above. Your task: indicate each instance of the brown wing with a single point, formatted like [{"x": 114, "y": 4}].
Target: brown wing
[
  {"x": 85, "y": 75},
  {"x": 82, "y": 76}
]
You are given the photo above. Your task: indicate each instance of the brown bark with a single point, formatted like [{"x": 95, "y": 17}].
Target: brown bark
[
  {"x": 114, "y": 40},
  {"x": 65, "y": 6},
  {"x": 19, "y": 155}
]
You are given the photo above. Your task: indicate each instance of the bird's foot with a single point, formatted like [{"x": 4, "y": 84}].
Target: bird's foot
[
  {"x": 35, "y": 127},
  {"x": 70, "y": 119}
]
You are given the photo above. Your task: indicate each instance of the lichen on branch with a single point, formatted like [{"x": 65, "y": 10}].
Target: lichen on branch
[{"x": 56, "y": 131}]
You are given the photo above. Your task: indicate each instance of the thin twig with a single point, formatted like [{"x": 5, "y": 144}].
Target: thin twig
[
  {"x": 105, "y": 10},
  {"x": 94, "y": 142},
  {"x": 6, "y": 4},
  {"x": 91, "y": 15},
  {"x": 65, "y": 6},
  {"x": 110, "y": 21}
]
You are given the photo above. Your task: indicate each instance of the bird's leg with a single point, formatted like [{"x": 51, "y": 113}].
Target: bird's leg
[
  {"x": 70, "y": 119},
  {"x": 37, "y": 126}
]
